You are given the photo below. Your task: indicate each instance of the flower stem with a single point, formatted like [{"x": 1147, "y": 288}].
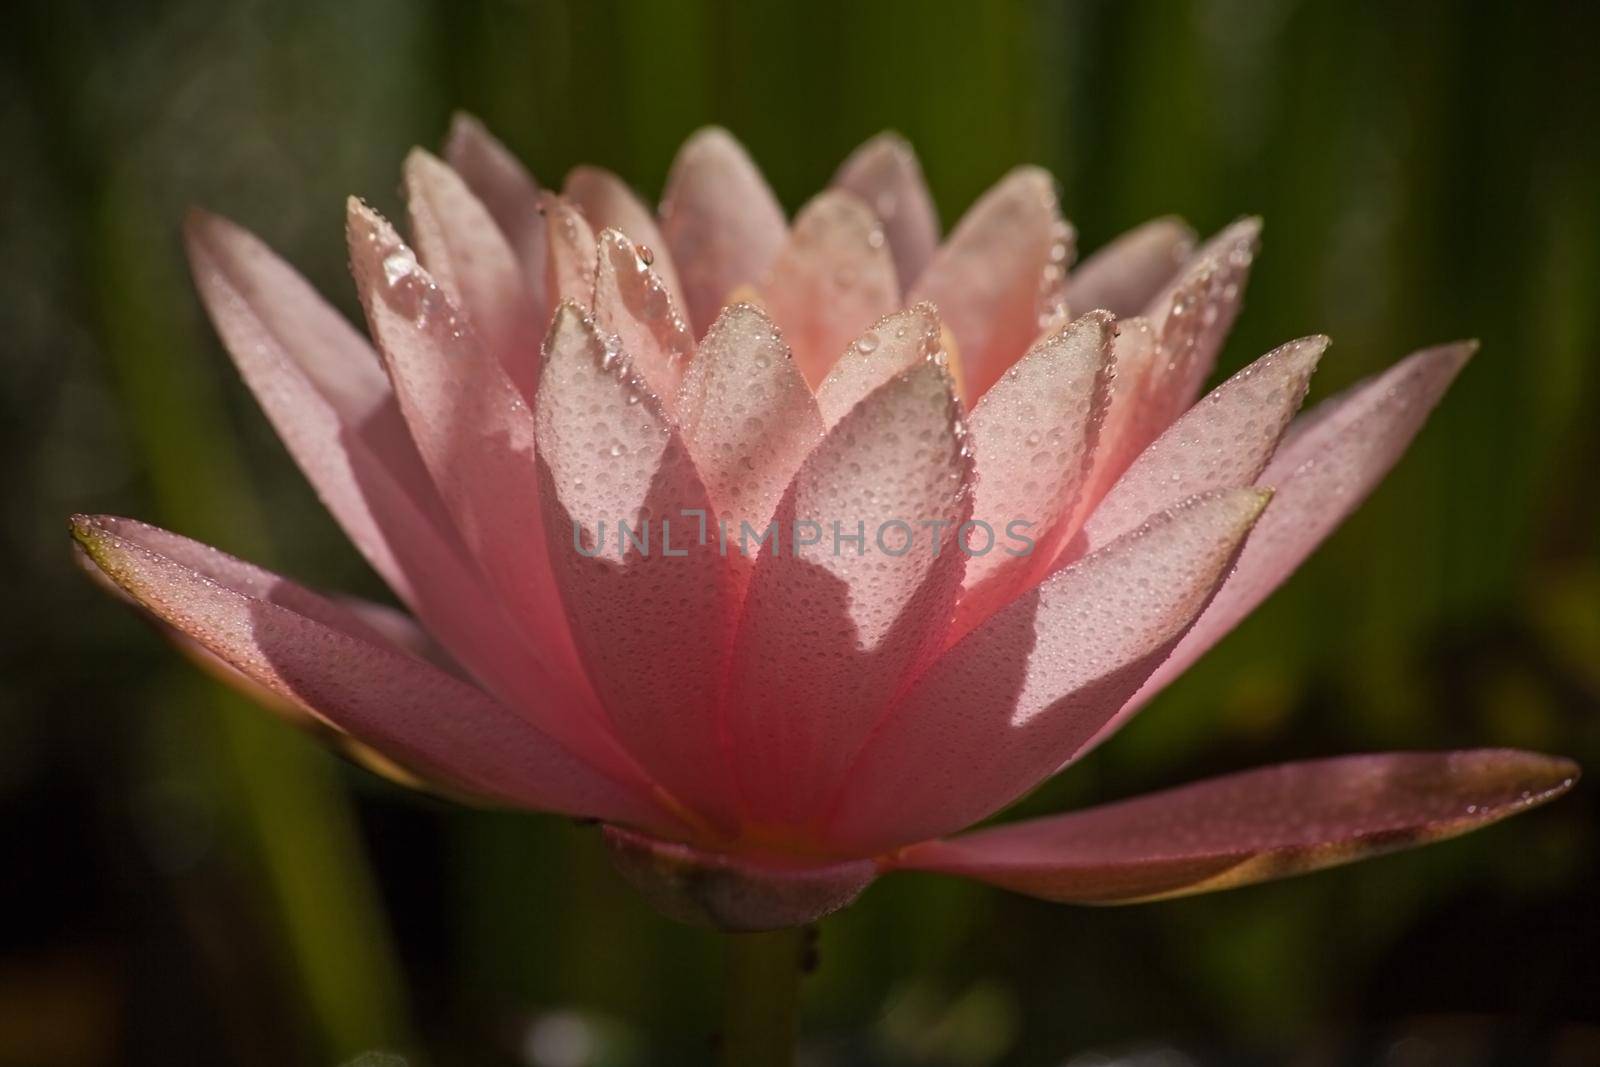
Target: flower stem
[{"x": 761, "y": 998}]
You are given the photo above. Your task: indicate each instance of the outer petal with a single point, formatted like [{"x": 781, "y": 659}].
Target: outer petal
[
  {"x": 831, "y": 629},
  {"x": 1192, "y": 318},
  {"x": 832, "y": 280},
  {"x": 608, "y": 204},
  {"x": 746, "y": 416},
  {"x": 633, "y": 304},
  {"x": 885, "y": 174},
  {"x": 462, "y": 247},
  {"x": 892, "y": 346},
  {"x": 998, "y": 279},
  {"x": 721, "y": 222},
  {"x": 571, "y": 258},
  {"x": 653, "y": 618},
  {"x": 1125, "y": 275},
  {"x": 1033, "y": 436},
  {"x": 1017, "y": 698},
  {"x": 1250, "y": 827},
  {"x": 322, "y": 387},
  {"x": 509, "y": 192},
  {"x": 318, "y": 380},
  {"x": 732, "y": 893},
  {"x": 306, "y": 650},
  {"x": 476, "y": 435},
  {"x": 1320, "y": 475},
  {"x": 1222, "y": 442}
]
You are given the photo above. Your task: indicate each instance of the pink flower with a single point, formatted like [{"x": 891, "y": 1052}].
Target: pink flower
[{"x": 796, "y": 549}]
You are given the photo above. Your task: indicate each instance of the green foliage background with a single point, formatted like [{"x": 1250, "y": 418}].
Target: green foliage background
[{"x": 186, "y": 882}]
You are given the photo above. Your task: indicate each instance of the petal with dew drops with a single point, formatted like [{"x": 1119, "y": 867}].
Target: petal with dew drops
[
  {"x": 893, "y": 345},
  {"x": 632, "y": 304},
  {"x": 1016, "y": 699},
  {"x": 1191, "y": 319},
  {"x": 573, "y": 252},
  {"x": 833, "y": 279},
  {"x": 509, "y": 193},
  {"x": 609, "y": 204},
  {"x": 1222, "y": 442},
  {"x": 652, "y": 610},
  {"x": 999, "y": 277},
  {"x": 306, "y": 650},
  {"x": 721, "y": 222},
  {"x": 747, "y": 417},
  {"x": 1320, "y": 475},
  {"x": 1250, "y": 827},
  {"x": 885, "y": 174},
  {"x": 833, "y": 627},
  {"x": 318, "y": 380},
  {"x": 324, "y": 390},
  {"x": 1033, "y": 438},
  {"x": 1125, "y": 275},
  {"x": 476, "y": 435},
  {"x": 360, "y": 614},
  {"x": 461, "y": 246},
  {"x": 1125, "y": 431}
]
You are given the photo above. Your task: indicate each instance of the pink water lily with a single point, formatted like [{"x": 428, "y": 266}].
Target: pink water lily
[{"x": 1028, "y": 522}]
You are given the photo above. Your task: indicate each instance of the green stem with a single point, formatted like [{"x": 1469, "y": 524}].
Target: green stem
[{"x": 761, "y": 998}]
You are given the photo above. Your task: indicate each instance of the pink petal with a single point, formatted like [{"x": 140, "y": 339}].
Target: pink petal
[
  {"x": 733, "y": 893},
  {"x": 892, "y": 346},
  {"x": 833, "y": 279},
  {"x": 474, "y": 432},
  {"x": 608, "y": 204},
  {"x": 1128, "y": 426},
  {"x": 509, "y": 192},
  {"x": 1320, "y": 475},
  {"x": 746, "y": 415},
  {"x": 999, "y": 277},
  {"x": 885, "y": 174},
  {"x": 1192, "y": 317},
  {"x": 1017, "y": 698},
  {"x": 318, "y": 380},
  {"x": 1125, "y": 275},
  {"x": 1033, "y": 438},
  {"x": 462, "y": 247},
  {"x": 653, "y": 622},
  {"x": 307, "y": 650},
  {"x": 572, "y": 253},
  {"x": 1222, "y": 442},
  {"x": 722, "y": 223},
  {"x": 632, "y": 304},
  {"x": 828, "y": 633},
  {"x": 322, "y": 387},
  {"x": 1250, "y": 827}
]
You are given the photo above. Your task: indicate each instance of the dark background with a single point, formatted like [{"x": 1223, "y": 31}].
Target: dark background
[{"x": 182, "y": 881}]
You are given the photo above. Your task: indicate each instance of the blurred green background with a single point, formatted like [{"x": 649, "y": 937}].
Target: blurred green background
[{"x": 186, "y": 882}]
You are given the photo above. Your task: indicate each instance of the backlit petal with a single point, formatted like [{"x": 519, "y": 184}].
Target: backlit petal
[
  {"x": 999, "y": 277},
  {"x": 304, "y": 649},
  {"x": 831, "y": 629},
  {"x": 721, "y": 222},
  {"x": 462, "y": 247},
  {"x": 652, "y": 613},
  {"x": 609, "y": 204},
  {"x": 1250, "y": 827},
  {"x": 746, "y": 416},
  {"x": 1125, "y": 275},
  {"x": 1018, "y": 697},
  {"x": 885, "y": 174},
  {"x": 833, "y": 279}
]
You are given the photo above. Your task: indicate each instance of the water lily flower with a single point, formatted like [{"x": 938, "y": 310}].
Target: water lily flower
[{"x": 789, "y": 551}]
